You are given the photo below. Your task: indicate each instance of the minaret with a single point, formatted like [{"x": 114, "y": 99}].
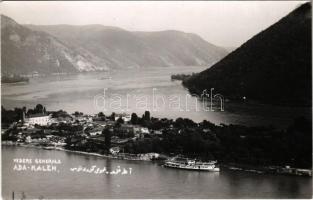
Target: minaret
[{"x": 23, "y": 117}]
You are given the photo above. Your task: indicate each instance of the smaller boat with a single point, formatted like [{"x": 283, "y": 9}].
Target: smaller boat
[
  {"x": 49, "y": 148},
  {"x": 192, "y": 164},
  {"x": 105, "y": 78}
]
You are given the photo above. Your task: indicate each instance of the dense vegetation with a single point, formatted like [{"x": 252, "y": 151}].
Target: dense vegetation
[
  {"x": 232, "y": 143},
  {"x": 14, "y": 79},
  {"x": 10, "y": 116},
  {"x": 272, "y": 67}
]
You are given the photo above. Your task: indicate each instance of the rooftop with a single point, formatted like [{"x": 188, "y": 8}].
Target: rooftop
[{"x": 37, "y": 115}]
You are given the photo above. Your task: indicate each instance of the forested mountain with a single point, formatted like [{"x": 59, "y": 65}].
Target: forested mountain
[{"x": 273, "y": 67}]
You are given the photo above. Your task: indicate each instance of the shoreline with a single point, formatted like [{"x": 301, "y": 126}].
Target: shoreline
[
  {"x": 231, "y": 167},
  {"x": 4, "y": 143}
]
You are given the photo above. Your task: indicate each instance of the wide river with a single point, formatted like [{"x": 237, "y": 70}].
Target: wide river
[
  {"x": 137, "y": 90},
  {"x": 146, "y": 180}
]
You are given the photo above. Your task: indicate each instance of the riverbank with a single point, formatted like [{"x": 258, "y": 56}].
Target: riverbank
[
  {"x": 287, "y": 170},
  {"x": 136, "y": 157}
]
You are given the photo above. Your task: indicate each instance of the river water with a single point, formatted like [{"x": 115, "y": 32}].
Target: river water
[
  {"x": 147, "y": 180},
  {"x": 137, "y": 90}
]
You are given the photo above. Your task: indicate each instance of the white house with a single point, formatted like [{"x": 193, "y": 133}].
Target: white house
[
  {"x": 40, "y": 119},
  {"x": 125, "y": 117},
  {"x": 114, "y": 150},
  {"x": 28, "y": 139},
  {"x": 96, "y": 131},
  {"x": 145, "y": 130}
]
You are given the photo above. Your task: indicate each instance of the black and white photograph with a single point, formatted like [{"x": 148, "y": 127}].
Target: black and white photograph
[{"x": 156, "y": 100}]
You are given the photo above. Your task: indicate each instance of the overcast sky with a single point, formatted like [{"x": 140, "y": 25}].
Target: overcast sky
[{"x": 228, "y": 23}]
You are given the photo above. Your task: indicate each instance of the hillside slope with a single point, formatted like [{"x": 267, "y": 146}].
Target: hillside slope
[
  {"x": 121, "y": 48},
  {"x": 272, "y": 67},
  {"x": 25, "y": 51}
]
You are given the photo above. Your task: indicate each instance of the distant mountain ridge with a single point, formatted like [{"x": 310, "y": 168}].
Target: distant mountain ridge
[
  {"x": 273, "y": 67},
  {"x": 25, "y": 51},
  {"x": 66, "y": 48},
  {"x": 122, "y": 48}
]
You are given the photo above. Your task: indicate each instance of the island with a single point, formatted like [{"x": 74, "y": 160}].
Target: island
[
  {"x": 182, "y": 77},
  {"x": 129, "y": 136},
  {"x": 14, "y": 79}
]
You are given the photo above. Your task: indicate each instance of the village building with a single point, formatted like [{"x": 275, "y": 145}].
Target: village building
[
  {"x": 39, "y": 118},
  {"x": 145, "y": 130},
  {"x": 95, "y": 131},
  {"x": 126, "y": 117},
  {"x": 115, "y": 150}
]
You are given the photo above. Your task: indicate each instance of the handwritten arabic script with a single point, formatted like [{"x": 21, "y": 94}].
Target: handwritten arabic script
[{"x": 97, "y": 170}]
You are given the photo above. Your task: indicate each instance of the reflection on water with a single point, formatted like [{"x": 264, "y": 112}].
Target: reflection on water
[
  {"x": 148, "y": 180},
  {"x": 77, "y": 92}
]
